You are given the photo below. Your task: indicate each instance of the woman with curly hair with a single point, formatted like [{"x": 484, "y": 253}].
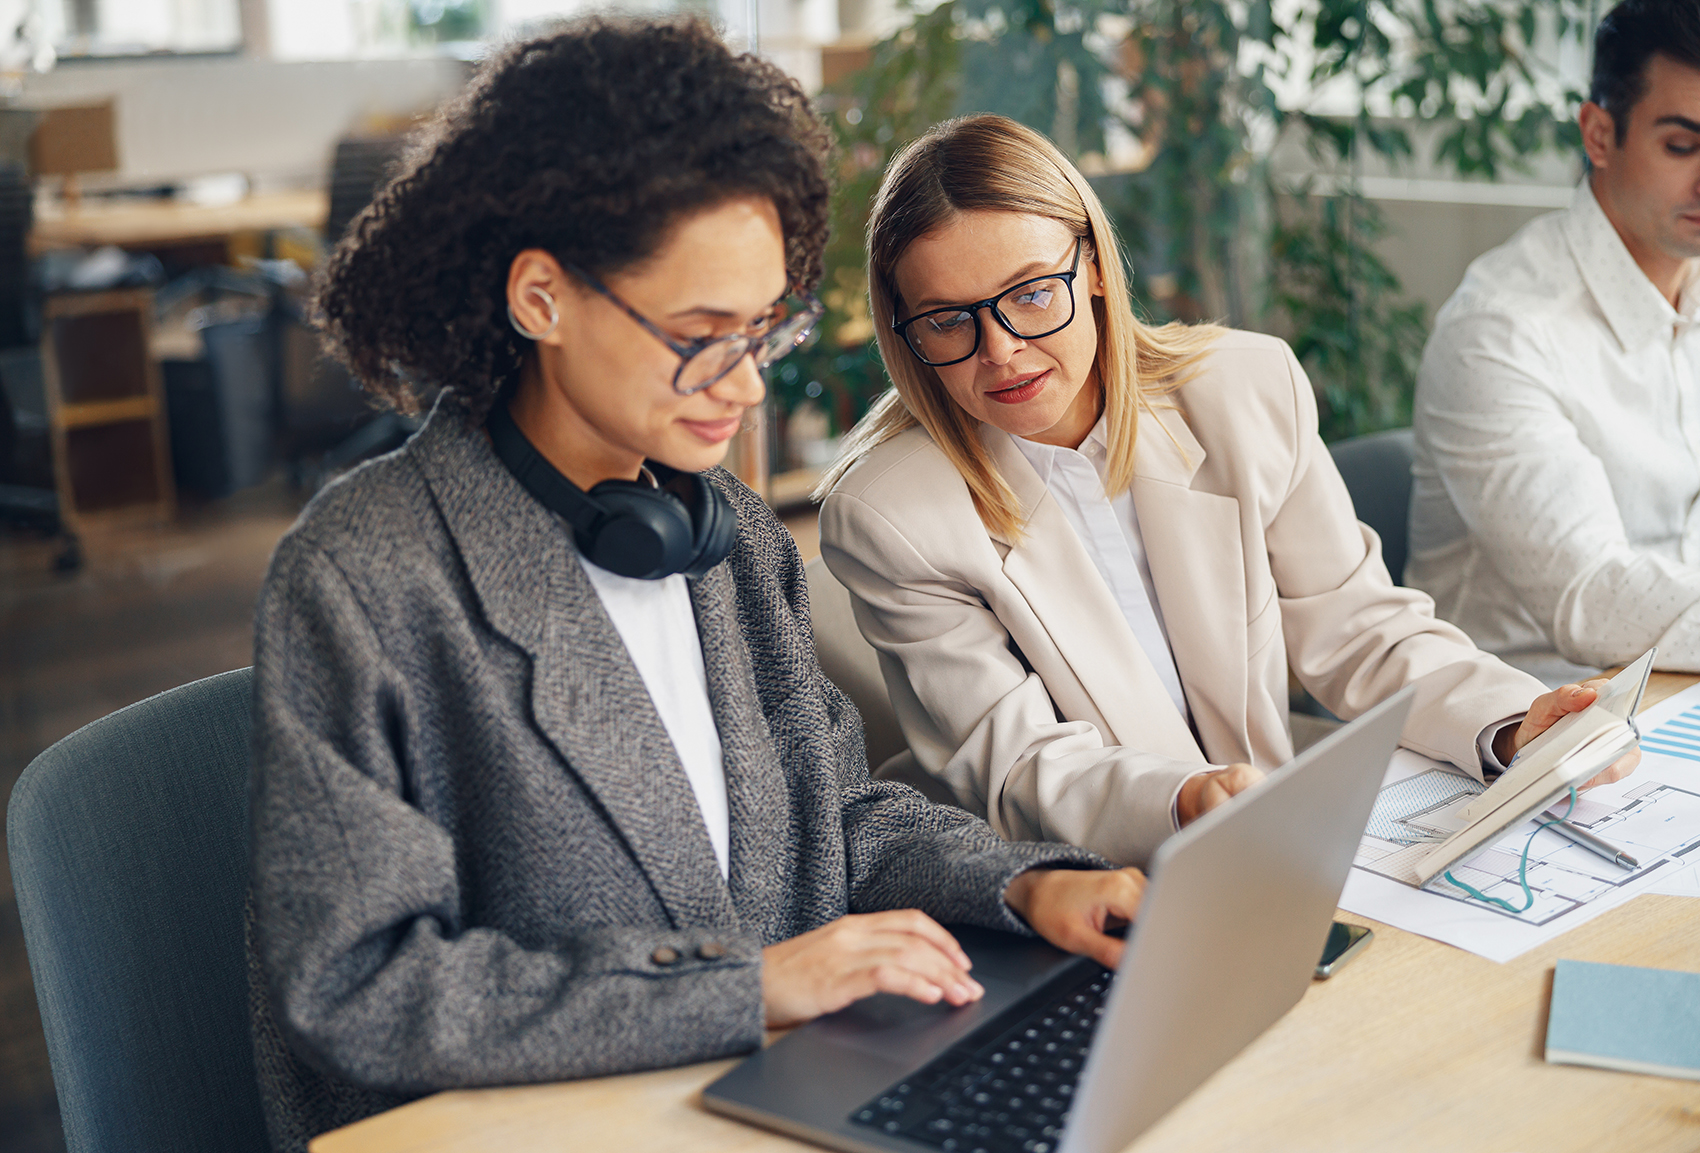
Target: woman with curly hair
[{"x": 547, "y": 780}]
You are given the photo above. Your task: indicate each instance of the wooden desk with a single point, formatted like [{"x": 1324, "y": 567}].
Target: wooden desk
[
  {"x": 165, "y": 223},
  {"x": 1416, "y": 1046},
  {"x": 1661, "y": 685}
]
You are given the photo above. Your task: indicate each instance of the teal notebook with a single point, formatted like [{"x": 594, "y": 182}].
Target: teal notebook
[{"x": 1620, "y": 1017}]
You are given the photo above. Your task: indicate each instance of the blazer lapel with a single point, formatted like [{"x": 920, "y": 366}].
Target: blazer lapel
[
  {"x": 592, "y": 704},
  {"x": 763, "y": 825},
  {"x": 1193, "y": 545},
  {"x": 1056, "y": 576},
  {"x": 588, "y": 698}
]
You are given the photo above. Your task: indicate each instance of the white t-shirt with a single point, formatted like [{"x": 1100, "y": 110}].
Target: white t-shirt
[{"x": 659, "y": 628}]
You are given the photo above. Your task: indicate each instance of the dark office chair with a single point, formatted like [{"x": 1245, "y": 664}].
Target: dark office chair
[
  {"x": 1377, "y": 471},
  {"x": 19, "y": 303},
  {"x": 129, "y": 850},
  {"x": 359, "y": 167},
  {"x": 27, "y": 497},
  {"x": 329, "y": 423}
]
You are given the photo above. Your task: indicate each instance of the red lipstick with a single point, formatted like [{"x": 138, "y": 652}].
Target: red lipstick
[{"x": 1020, "y": 389}]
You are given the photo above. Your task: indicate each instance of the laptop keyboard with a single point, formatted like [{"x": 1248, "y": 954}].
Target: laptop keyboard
[{"x": 1005, "y": 1088}]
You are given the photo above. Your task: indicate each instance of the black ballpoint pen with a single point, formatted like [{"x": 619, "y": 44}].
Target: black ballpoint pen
[{"x": 1594, "y": 844}]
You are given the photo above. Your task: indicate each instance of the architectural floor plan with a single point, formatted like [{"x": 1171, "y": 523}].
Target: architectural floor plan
[
  {"x": 1654, "y": 815},
  {"x": 1652, "y": 821}
]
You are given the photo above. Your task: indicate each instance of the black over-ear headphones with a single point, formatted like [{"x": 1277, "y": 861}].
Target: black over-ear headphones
[{"x": 681, "y": 524}]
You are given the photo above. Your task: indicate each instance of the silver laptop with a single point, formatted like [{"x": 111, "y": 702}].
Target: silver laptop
[{"x": 1063, "y": 1056}]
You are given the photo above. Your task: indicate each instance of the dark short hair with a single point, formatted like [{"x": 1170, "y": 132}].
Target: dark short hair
[
  {"x": 1628, "y": 37},
  {"x": 589, "y": 143}
]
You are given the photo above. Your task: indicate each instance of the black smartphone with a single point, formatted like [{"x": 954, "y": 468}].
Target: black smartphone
[{"x": 1344, "y": 942}]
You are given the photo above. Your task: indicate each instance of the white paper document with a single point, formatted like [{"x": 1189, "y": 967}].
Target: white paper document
[{"x": 1654, "y": 816}]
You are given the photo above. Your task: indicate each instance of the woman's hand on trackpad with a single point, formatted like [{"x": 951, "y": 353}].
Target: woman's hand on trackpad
[{"x": 903, "y": 951}]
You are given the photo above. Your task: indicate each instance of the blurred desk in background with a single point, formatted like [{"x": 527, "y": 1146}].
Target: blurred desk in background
[
  {"x": 226, "y": 436},
  {"x": 157, "y": 224}
]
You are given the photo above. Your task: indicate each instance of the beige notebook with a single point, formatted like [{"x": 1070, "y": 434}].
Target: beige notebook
[{"x": 1573, "y": 750}]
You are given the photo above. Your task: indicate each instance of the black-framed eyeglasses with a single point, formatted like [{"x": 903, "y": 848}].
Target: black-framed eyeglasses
[
  {"x": 1034, "y": 308},
  {"x": 702, "y": 362}
]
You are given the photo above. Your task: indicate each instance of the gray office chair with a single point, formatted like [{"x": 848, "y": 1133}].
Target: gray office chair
[
  {"x": 1377, "y": 471},
  {"x": 129, "y": 850}
]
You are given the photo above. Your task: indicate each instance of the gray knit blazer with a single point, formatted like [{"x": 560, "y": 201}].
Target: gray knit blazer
[{"x": 476, "y": 857}]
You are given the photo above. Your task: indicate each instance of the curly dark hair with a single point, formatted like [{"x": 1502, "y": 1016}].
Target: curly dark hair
[{"x": 588, "y": 143}]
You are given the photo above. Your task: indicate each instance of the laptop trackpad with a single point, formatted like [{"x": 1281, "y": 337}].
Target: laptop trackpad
[{"x": 886, "y": 1025}]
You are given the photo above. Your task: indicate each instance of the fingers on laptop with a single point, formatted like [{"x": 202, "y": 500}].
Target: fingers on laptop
[
  {"x": 903, "y": 951},
  {"x": 1204, "y": 791},
  {"x": 1074, "y": 908}
]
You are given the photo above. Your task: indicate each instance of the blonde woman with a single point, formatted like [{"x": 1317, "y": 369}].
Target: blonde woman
[{"x": 1087, "y": 550}]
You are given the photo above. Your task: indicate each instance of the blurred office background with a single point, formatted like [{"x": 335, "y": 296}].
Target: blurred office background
[{"x": 172, "y": 170}]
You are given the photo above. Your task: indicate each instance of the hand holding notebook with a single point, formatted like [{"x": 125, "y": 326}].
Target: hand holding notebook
[{"x": 1573, "y": 750}]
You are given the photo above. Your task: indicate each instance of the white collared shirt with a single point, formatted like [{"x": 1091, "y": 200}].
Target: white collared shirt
[
  {"x": 1558, "y": 451},
  {"x": 659, "y": 627},
  {"x": 1109, "y": 528}
]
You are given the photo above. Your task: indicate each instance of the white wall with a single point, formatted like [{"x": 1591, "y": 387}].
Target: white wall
[
  {"x": 1431, "y": 243},
  {"x": 1439, "y": 223},
  {"x": 277, "y": 122}
]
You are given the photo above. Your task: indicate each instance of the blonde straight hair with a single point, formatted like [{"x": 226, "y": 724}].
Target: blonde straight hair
[{"x": 992, "y": 163}]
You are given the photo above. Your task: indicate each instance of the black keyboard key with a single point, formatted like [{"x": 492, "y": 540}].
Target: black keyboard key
[{"x": 1003, "y": 1089}]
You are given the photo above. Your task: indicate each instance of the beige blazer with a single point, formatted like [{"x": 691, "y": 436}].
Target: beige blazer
[{"x": 1022, "y": 690}]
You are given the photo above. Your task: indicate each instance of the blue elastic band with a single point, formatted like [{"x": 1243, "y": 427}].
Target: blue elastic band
[{"x": 1522, "y": 867}]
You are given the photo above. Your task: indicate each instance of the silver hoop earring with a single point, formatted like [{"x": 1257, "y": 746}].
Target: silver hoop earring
[{"x": 554, "y": 316}]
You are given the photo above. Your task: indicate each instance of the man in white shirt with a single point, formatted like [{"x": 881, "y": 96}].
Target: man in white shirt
[{"x": 1555, "y": 514}]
